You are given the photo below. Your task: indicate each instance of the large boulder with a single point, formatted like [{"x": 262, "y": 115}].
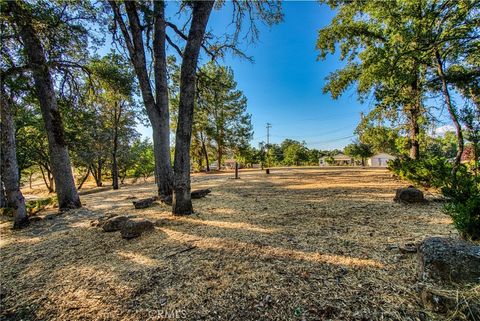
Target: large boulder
[
  {"x": 447, "y": 259},
  {"x": 135, "y": 227},
  {"x": 409, "y": 195}
]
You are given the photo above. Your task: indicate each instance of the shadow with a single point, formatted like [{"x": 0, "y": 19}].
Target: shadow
[{"x": 258, "y": 248}]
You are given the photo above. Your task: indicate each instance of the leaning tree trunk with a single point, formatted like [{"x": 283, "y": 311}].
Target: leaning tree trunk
[
  {"x": 452, "y": 111},
  {"x": 182, "y": 202},
  {"x": 157, "y": 111},
  {"x": 10, "y": 175},
  {"x": 60, "y": 162}
]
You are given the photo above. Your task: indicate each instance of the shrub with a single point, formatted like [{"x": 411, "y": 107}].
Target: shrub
[
  {"x": 432, "y": 172},
  {"x": 35, "y": 206},
  {"x": 461, "y": 191}
]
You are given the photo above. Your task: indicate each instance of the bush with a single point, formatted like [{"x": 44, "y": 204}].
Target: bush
[
  {"x": 35, "y": 206},
  {"x": 462, "y": 191},
  {"x": 463, "y": 194},
  {"x": 432, "y": 172}
]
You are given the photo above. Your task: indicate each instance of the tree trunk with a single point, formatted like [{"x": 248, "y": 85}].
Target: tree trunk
[
  {"x": 414, "y": 131},
  {"x": 452, "y": 111},
  {"x": 164, "y": 167},
  {"x": 157, "y": 111},
  {"x": 182, "y": 202},
  {"x": 205, "y": 153},
  {"x": 413, "y": 113},
  {"x": 3, "y": 200},
  {"x": 117, "y": 115},
  {"x": 99, "y": 173},
  {"x": 60, "y": 162},
  {"x": 10, "y": 176},
  {"x": 84, "y": 179},
  {"x": 219, "y": 156}
]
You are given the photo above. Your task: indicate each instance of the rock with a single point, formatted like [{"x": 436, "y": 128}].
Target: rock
[
  {"x": 447, "y": 259},
  {"x": 200, "y": 193},
  {"x": 408, "y": 248},
  {"x": 35, "y": 218},
  {"x": 144, "y": 203},
  {"x": 114, "y": 223},
  {"x": 135, "y": 227},
  {"x": 167, "y": 200},
  {"x": 409, "y": 195}
]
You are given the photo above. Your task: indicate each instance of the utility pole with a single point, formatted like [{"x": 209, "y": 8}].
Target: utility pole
[
  {"x": 268, "y": 146},
  {"x": 268, "y": 133}
]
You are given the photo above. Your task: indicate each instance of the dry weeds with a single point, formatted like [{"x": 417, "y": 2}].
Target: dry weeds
[{"x": 299, "y": 244}]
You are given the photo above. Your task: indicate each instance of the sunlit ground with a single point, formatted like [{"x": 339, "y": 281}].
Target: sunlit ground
[{"x": 302, "y": 243}]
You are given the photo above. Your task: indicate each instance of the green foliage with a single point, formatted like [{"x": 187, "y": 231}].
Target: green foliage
[
  {"x": 462, "y": 191},
  {"x": 294, "y": 152},
  {"x": 36, "y": 206},
  {"x": 144, "y": 161},
  {"x": 428, "y": 172},
  {"x": 359, "y": 150}
]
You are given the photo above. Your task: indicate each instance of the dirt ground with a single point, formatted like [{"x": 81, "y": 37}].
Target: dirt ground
[{"x": 298, "y": 244}]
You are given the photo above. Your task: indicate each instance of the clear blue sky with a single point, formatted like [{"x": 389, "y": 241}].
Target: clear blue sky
[{"x": 284, "y": 84}]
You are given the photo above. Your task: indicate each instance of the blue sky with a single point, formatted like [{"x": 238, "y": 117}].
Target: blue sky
[{"x": 284, "y": 84}]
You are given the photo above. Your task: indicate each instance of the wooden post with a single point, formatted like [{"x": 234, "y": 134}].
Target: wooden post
[{"x": 236, "y": 170}]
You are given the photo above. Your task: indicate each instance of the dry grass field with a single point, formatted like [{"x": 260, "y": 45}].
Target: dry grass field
[{"x": 298, "y": 244}]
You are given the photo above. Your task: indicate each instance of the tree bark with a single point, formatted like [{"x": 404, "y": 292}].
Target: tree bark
[
  {"x": 10, "y": 175},
  {"x": 157, "y": 111},
  {"x": 60, "y": 162},
  {"x": 414, "y": 112},
  {"x": 452, "y": 111},
  {"x": 164, "y": 168},
  {"x": 182, "y": 202},
  {"x": 98, "y": 179}
]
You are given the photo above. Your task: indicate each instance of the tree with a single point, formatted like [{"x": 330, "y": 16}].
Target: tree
[
  {"x": 294, "y": 152},
  {"x": 58, "y": 152},
  {"x": 182, "y": 203},
  {"x": 9, "y": 167},
  {"x": 359, "y": 150},
  {"x": 368, "y": 34},
  {"x": 155, "y": 101},
  {"x": 144, "y": 165},
  {"x": 227, "y": 123},
  {"x": 113, "y": 94},
  {"x": 382, "y": 139}
]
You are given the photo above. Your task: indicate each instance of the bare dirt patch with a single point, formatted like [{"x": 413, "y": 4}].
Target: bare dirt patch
[{"x": 311, "y": 244}]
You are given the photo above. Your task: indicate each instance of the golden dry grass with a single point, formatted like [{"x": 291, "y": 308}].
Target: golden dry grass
[{"x": 299, "y": 244}]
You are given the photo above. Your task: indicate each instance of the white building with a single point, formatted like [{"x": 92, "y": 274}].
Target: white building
[{"x": 380, "y": 160}]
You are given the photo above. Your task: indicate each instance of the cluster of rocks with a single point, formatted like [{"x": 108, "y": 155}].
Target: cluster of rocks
[{"x": 129, "y": 225}]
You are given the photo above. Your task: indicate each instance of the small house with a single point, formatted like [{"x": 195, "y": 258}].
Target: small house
[{"x": 380, "y": 160}]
